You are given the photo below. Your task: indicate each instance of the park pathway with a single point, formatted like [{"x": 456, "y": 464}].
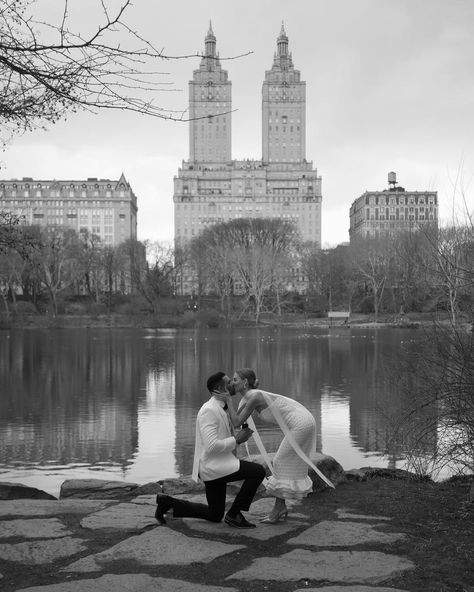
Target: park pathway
[{"x": 75, "y": 545}]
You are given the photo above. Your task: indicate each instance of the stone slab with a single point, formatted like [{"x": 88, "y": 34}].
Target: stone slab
[
  {"x": 49, "y": 508},
  {"x": 144, "y": 499},
  {"x": 262, "y": 532},
  {"x": 160, "y": 546},
  {"x": 331, "y": 533},
  {"x": 33, "y": 528},
  {"x": 350, "y": 589},
  {"x": 348, "y": 513},
  {"x": 258, "y": 510},
  {"x": 97, "y": 489},
  {"x": 128, "y": 583},
  {"x": 124, "y": 516},
  {"x": 371, "y": 567},
  {"x": 41, "y": 552}
]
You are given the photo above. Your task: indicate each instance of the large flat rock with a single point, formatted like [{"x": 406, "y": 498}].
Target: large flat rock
[
  {"x": 262, "y": 532},
  {"x": 124, "y": 516},
  {"x": 49, "y": 508},
  {"x": 370, "y": 567},
  {"x": 160, "y": 546},
  {"x": 33, "y": 528},
  {"x": 331, "y": 533},
  {"x": 127, "y": 583},
  {"x": 41, "y": 552},
  {"x": 97, "y": 489}
]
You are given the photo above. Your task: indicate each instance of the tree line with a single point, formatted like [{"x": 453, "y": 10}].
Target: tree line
[{"x": 249, "y": 266}]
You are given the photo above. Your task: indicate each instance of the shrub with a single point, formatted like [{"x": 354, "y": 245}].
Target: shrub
[{"x": 25, "y": 307}]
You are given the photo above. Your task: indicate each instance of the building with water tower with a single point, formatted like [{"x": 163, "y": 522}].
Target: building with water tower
[{"x": 379, "y": 214}]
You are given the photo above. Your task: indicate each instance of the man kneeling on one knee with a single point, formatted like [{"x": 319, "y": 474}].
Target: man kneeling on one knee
[{"x": 216, "y": 465}]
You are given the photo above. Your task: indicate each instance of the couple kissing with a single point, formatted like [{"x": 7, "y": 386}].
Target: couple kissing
[{"x": 217, "y": 439}]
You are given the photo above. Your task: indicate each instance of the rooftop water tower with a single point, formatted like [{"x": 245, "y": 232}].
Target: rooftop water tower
[{"x": 392, "y": 180}]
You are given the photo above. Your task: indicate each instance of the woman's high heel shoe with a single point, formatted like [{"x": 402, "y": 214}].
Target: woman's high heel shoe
[{"x": 280, "y": 517}]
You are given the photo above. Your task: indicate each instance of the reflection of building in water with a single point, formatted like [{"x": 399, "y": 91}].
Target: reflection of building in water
[
  {"x": 71, "y": 399},
  {"x": 377, "y": 404}
]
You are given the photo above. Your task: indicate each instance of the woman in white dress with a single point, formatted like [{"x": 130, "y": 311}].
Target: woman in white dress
[{"x": 289, "y": 479}]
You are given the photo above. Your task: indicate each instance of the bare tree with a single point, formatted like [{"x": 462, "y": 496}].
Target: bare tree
[
  {"x": 212, "y": 258},
  {"x": 54, "y": 261},
  {"x": 13, "y": 235},
  {"x": 154, "y": 275},
  {"x": 262, "y": 251},
  {"x": 454, "y": 264},
  {"x": 248, "y": 256},
  {"x": 438, "y": 382},
  {"x": 371, "y": 259},
  {"x": 49, "y": 69},
  {"x": 89, "y": 258}
]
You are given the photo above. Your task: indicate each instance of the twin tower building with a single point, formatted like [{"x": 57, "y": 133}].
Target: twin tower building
[{"x": 211, "y": 187}]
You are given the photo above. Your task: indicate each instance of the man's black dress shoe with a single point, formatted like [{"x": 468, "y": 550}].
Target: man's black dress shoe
[
  {"x": 238, "y": 521},
  {"x": 163, "y": 504}
]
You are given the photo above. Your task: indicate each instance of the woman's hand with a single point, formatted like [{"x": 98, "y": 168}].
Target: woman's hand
[{"x": 223, "y": 396}]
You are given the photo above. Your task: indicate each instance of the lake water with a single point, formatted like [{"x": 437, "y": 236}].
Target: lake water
[{"x": 121, "y": 404}]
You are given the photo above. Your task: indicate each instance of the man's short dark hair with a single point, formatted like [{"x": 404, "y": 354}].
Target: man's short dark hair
[{"x": 215, "y": 381}]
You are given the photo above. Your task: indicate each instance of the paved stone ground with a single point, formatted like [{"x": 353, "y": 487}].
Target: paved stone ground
[{"x": 102, "y": 546}]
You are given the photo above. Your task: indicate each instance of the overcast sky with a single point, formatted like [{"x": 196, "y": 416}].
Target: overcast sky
[{"x": 389, "y": 86}]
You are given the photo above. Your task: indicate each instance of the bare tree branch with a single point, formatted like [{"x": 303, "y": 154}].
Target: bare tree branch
[{"x": 48, "y": 70}]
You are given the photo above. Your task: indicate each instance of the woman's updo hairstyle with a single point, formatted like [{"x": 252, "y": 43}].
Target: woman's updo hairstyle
[{"x": 249, "y": 374}]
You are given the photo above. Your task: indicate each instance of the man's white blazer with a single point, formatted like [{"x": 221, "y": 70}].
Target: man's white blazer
[{"x": 214, "y": 448}]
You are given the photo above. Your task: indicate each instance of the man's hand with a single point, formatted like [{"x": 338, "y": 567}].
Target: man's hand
[{"x": 243, "y": 435}]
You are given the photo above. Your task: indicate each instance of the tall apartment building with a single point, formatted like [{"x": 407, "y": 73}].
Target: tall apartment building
[
  {"x": 104, "y": 207},
  {"x": 380, "y": 213},
  {"x": 211, "y": 187}
]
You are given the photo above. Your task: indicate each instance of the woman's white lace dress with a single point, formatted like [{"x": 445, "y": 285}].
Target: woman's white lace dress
[{"x": 290, "y": 479}]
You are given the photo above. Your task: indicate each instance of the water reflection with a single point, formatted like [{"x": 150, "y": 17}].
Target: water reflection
[{"x": 122, "y": 403}]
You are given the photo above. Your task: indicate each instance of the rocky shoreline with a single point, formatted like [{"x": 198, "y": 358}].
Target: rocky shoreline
[{"x": 363, "y": 536}]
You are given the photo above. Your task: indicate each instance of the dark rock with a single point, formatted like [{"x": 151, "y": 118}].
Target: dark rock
[
  {"x": 11, "y": 491},
  {"x": 98, "y": 489},
  {"x": 329, "y": 467},
  {"x": 178, "y": 485},
  {"x": 356, "y": 475},
  {"x": 150, "y": 488},
  {"x": 373, "y": 472}
]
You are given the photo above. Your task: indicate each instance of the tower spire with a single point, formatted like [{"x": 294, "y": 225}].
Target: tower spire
[
  {"x": 210, "y": 43},
  {"x": 282, "y": 42}
]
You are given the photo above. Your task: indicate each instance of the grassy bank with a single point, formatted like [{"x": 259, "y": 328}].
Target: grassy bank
[{"x": 207, "y": 319}]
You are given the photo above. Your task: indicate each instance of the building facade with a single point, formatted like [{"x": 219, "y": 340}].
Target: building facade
[
  {"x": 211, "y": 187},
  {"x": 105, "y": 208},
  {"x": 377, "y": 214}
]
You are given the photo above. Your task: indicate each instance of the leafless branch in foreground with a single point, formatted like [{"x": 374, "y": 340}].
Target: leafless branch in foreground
[{"x": 48, "y": 70}]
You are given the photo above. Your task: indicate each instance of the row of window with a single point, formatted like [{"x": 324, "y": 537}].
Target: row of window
[
  {"x": 61, "y": 187},
  {"x": 283, "y": 128},
  {"x": 392, "y": 200}
]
